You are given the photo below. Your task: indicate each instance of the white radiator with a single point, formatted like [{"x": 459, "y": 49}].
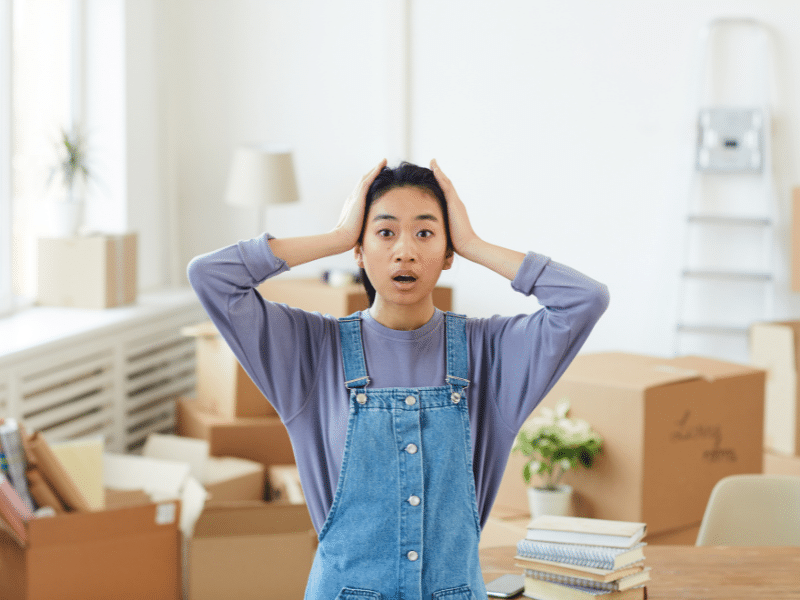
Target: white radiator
[{"x": 120, "y": 382}]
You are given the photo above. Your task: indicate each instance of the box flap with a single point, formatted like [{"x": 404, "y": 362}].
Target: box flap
[
  {"x": 712, "y": 369},
  {"x": 251, "y": 518},
  {"x": 229, "y": 467},
  {"x": 632, "y": 371}
]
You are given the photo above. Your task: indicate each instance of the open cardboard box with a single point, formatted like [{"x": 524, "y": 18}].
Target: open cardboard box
[
  {"x": 672, "y": 428},
  {"x": 250, "y": 550}
]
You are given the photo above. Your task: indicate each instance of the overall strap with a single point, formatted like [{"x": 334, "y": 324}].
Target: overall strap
[
  {"x": 456, "y": 340},
  {"x": 355, "y": 367}
]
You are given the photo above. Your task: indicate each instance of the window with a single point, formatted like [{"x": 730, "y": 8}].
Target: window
[
  {"x": 45, "y": 84},
  {"x": 5, "y": 157}
]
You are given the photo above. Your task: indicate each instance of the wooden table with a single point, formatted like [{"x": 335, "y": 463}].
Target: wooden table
[{"x": 690, "y": 572}]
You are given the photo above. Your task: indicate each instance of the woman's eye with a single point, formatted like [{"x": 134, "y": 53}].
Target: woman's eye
[
  {"x": 425, "y": 233},
  {"x": 385, "y": 232}
]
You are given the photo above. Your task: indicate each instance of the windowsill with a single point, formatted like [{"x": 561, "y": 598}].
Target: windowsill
[{"x": 28, "y": 330}]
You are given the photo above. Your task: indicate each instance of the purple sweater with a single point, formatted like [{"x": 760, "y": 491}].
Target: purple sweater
[{"x": 295, "y": 358}]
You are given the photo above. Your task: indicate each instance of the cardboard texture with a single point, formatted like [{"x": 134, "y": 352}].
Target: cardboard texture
[
  {"x": 262, "y": 439},
  {"x": 775, "y": 347},
  {"x": 672, "y": 428},
  {"x": 223, "y": 386},
  {"x": 126, "y": 554},
  {"x": 338, "y": 301},
  {"x": 97, "y": 271},
  {"x": 83, "y": 461},
  {"x": 251, "y": 550}
]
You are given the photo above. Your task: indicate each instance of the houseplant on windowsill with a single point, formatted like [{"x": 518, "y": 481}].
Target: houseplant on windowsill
[
  {"x": 554, "y": 444},
  {"x": 73, "y": 173}
]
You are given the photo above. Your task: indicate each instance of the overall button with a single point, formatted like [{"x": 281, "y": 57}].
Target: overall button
[
  {"x": 361, "y": 398},
  {"x": 411, "y": 448},
  {"x": 411, "y": 401},
  {"x": 412, "y": 556},
  {"x": 455, "y": 397},
  {"x": 414, "y": 500}
]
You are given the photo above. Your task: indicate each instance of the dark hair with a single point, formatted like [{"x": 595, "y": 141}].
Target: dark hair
[{"x": 404, "y": 175}]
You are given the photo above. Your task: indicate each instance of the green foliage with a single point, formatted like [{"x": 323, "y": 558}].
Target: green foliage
[
  {"x": 72, "y": 160},
  {"x": 554, "y": 444}
]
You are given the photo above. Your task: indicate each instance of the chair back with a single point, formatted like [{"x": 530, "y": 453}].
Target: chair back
[{"x": 752, "y": 510}]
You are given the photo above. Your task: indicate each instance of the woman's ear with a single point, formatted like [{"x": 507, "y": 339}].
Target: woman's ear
[
  {"x": 359, "y": 256},
  {"x": 448, "y": 260}
]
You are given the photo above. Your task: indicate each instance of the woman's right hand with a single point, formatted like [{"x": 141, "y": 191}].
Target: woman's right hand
[{"x": 351, "y": 220}]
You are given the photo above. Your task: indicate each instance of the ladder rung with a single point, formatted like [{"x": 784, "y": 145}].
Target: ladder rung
[
  {"x": 730, "y": 220},
  {"x": 730, "y": 275},
  {"x": 712, "y": 329}
]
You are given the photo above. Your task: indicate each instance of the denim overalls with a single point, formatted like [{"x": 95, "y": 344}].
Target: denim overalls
[{"x": 404, "y": 521}]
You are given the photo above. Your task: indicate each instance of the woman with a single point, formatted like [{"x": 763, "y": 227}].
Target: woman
[{"x": 401, "y": 416}]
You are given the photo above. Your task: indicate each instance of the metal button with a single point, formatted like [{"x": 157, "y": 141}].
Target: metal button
[
  {"x": 411, "y": 401},
  {"x": 412, "y": 555},
  {"x": 455, "y": 397},
  {"x": 361, "y": 398},
  {"x": 411, "y": 448},
  {"x": 414, "y": 500}
]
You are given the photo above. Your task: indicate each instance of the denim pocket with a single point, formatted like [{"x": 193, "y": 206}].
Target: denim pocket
[
  {"x": 355, "y": 594},
  {"x": 462, "y": 592}
]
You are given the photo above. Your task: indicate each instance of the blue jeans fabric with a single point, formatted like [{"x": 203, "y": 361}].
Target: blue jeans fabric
[{"x": 404, "y": 521}]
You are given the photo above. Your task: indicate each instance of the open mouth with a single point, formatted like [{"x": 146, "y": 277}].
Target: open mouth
[{"x": 404, "y": 278}]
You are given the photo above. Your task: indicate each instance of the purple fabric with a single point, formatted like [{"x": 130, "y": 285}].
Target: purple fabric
[{"x": 295, "y": 358}]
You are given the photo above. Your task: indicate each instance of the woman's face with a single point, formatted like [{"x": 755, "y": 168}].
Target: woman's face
[{"x": 404, "y": 248}]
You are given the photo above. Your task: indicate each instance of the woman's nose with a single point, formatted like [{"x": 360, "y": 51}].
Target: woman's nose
[{"x": 404, "y": 249}]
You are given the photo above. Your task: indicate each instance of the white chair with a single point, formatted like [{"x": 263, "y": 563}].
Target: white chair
[{"x": 752, "y": 510}]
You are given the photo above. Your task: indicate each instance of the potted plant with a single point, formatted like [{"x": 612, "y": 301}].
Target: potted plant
[
  {"x": 554, "y": 444},
  {"x": 73, "y": 173}
]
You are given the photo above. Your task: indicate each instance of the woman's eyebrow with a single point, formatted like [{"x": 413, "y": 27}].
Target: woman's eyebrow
[{"x": 388, "y": 217}]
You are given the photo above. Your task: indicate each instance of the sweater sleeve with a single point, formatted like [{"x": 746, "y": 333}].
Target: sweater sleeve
[
  {"x": 279, "y": 347},
  {"x": 522, "y": 357}
]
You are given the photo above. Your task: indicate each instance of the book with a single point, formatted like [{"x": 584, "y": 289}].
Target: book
[
  {"x": 580, "y": 530},
  {"x": 598, "y": 557},
  {"x": 14, "y": 511},
  {"x": 56, "y": 476},
  {"x": 623, "y": 583},
  {"x": 600, "y": 575},
  {"x": 548, "y": 590},
  {"x": 17, "y": 465}
]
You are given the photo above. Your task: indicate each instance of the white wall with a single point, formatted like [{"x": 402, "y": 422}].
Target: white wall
[{"x": 566, "y": 127}]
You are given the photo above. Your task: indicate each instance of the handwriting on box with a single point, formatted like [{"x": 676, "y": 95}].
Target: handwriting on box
[{"x": 688, "y": 429}]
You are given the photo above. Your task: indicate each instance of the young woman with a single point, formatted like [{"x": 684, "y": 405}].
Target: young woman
[{"x": 401, "y": 416}]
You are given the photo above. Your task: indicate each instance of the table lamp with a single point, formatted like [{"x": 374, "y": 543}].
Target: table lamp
[{"x": 261, "y": 175}]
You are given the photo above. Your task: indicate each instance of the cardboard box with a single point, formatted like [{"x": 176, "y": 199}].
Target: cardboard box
[
  {"x": 315, "y": 296},
  {"x": 672, "y": 428},
  {"x": 685, "y": 536},
  {"x": 223, "y": 386},
  {"x": 126, "y": 554},
  {"x": 781, "y": 464},
  {"x": 262, "y": 439},
  {"x": 97, "y": 271},
  {"x": 775, "y": 347},
  {"x": 251, "y": 551}
]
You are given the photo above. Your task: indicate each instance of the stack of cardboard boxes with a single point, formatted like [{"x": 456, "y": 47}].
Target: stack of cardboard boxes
[{"x": 252, "y": 539}]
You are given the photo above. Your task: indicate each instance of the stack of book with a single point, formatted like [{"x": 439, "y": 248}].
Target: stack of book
[{"x": 573, "y": 558}]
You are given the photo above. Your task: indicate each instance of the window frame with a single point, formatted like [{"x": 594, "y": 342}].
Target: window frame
[{"x": 6, "y": 264}]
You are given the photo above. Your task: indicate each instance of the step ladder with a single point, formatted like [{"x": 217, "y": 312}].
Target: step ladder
[{"x": 727, "y": 280}]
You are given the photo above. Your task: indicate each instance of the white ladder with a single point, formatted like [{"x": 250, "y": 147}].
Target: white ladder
[{"x": 728, "y": 277}]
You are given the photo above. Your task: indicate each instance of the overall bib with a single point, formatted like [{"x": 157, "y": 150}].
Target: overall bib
[{"x": 404, "y": 521}]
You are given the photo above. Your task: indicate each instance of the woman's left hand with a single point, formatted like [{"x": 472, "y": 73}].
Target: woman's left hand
[{"x": 461, "y": 232}]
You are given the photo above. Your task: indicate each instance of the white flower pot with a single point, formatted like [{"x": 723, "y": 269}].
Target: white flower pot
[
  {"x": 550, "y": 502},
  {"x": 66, "y": 218}
]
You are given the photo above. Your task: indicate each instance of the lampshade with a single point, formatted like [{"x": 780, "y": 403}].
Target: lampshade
[{"x": 261, "y": 175}]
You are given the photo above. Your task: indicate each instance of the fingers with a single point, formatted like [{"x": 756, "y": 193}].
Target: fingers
[{"x": 439, "y": 174}]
